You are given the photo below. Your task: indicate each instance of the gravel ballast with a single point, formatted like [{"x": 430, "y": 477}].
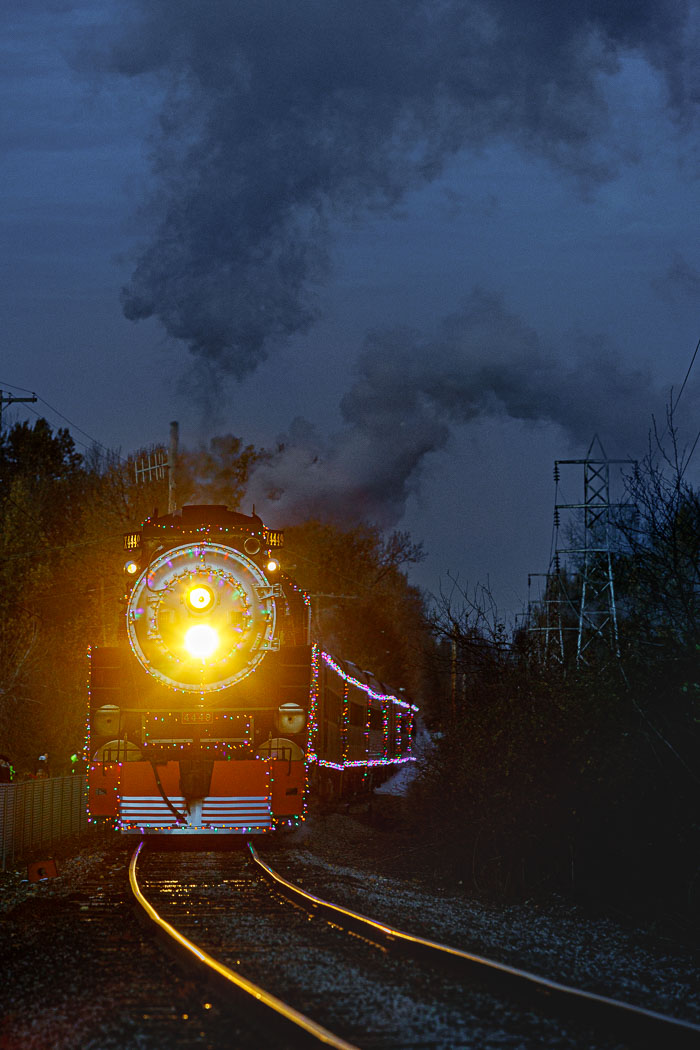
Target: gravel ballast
[{"x": 64, "y": 987}]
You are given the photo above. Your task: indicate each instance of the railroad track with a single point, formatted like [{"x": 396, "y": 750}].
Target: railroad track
[{"x": 285, "y": 958}]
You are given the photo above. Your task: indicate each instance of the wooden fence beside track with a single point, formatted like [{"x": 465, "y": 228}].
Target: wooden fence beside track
[{"x": 36, "y": 813}]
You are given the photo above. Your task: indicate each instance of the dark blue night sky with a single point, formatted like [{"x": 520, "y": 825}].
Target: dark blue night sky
[{"x": 430, "y": 246}]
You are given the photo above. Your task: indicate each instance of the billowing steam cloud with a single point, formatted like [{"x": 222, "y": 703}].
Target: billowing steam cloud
[
  {"x": 281, "y": 116},
  {"x": 409, "y": 393}
]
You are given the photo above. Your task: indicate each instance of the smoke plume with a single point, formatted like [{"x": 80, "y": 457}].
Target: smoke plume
[
  {"x": 281, "y": 117},
  {"x": 411, "y": 391}
]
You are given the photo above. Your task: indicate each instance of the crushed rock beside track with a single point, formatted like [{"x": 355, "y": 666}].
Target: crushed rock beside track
[{"x": 371, "y": 863}]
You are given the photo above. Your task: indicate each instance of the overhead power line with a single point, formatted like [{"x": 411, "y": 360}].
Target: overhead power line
[
  {"x": 11, "y": 399},
  {"x": 687, "y": 374},
  {"x": 697, "y": 436}
]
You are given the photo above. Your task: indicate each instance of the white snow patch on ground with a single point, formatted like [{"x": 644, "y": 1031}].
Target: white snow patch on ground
[{"x": 405, "y": 774}]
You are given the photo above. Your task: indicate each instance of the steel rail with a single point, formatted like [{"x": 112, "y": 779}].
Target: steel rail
[
  {"x": 647, "y": 1027},
  {"x": 228, "y": 980}
]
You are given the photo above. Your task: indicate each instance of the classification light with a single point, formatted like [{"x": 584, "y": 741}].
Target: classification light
[
  {"x": 201, "y": 641},
  {"x": 131, "y": 567},
  {"x": 272, "y": 565}
]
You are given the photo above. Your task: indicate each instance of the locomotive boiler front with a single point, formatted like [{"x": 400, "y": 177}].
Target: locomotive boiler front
[{"x": 201, "y": 617}]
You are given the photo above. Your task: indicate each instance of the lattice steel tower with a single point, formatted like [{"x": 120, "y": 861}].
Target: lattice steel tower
[{"x": 580, "y": 590}]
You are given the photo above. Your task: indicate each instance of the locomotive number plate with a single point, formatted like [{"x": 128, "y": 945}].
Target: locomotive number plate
[{"x": 197, "y": 717}]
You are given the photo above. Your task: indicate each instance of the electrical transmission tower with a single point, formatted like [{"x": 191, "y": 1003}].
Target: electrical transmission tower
[{"x": 579, "y": 597}]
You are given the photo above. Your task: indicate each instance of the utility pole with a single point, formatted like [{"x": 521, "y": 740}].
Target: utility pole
[
  {"x": 10, "y": 399},
  {"x": 172, "y": 466},
  {"x": 453, "y": 675}
]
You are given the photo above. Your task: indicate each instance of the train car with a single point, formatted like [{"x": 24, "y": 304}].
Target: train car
[{"x": 217, "y": 713}]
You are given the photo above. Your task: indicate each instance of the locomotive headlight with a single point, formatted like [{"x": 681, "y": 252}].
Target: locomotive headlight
[
  {"x": 201, "y": 641},
  {"x": 200, "y": 598}
]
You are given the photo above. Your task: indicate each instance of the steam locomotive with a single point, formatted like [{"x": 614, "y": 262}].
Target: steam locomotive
[{"x": 218, "y": 713}]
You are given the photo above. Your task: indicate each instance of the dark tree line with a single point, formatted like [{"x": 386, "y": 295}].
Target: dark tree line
[
  {"x": 545, "y": 774},
  {"x": 62, "y": 518}
]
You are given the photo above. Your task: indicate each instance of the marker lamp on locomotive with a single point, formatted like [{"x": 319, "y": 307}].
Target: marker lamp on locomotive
[
  {"x": 200, "y": 598},
  {"x": 272, "y": 565},
  {"x": 131, "y": 567},
  {"x": 290, "y": 718},
  {"x": 201, "y": 641}
]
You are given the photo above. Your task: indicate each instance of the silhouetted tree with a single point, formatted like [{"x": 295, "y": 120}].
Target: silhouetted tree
[
  {"x": 364, "y": 607},
  {"x": 42, "y": 498},
  {"x": 659, "y": 574}
]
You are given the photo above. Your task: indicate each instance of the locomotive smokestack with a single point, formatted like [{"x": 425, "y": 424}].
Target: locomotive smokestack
[{"x": 172, "y": 466}]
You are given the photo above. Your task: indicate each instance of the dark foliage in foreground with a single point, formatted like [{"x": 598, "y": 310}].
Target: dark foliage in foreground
[
  {"x": 582, "y": 776},
  {"x": 578, "y": 783}
]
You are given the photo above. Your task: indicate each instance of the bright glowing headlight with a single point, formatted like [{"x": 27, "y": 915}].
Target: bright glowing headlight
[
  {"x": 200, "y": 598},
  {"x": 208, "y": 585},
  {"x": 201, "y": 641}
]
